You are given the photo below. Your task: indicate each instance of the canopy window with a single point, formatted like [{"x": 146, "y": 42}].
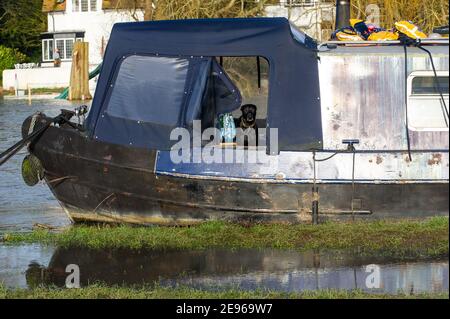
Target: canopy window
[
  {"x": 149, "y": 89},
  {"x": 151, "y": 95}
]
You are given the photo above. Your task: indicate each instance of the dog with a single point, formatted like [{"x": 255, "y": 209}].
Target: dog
[{"x": 247, "y": 122}]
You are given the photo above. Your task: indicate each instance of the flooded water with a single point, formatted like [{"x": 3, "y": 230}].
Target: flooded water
[
  {"x": 22, "y": 206},
  {"x": 215, "y": 269}
]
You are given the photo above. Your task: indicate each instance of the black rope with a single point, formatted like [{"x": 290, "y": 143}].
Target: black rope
[
  {"x": 437, "y": 85},
  {"x": 408, "y": 141},
  {"x": 6, "y": 155},
  {"x": 326, "y": 158},
  {"x": 10, "y": 152}
]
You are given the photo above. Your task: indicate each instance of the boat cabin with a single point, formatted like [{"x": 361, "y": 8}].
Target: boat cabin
[{"x": 165, "y": 74}]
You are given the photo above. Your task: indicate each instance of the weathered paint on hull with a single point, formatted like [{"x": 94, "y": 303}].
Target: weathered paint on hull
[{"x": 102, "y": 182}]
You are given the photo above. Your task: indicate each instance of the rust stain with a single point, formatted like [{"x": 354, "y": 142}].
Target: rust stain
[
  {"x": 208, "y": 198},
  {"x": 436, "y": 159},
  {"x": 263, "y": 195},
  {"x": 379, "y": 160},
  {"x": 336, "y": 116},
  {"x": 307, "y": 198}
]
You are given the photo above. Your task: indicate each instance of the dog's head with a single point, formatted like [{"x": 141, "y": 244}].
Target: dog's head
[{"x": 249, "y": 113}]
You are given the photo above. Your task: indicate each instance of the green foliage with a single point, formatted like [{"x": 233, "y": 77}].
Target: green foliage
[
  {"x": 21, "y": 23},
  {"x": 397, "y": 239},
  {"x": 8, "y": 57},
  {"x": 99, "y": 291}
]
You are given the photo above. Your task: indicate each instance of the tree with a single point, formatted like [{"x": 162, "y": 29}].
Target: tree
[
  {"x": 188, "y": 9},
  {"x": 21, "y": 23},
  {"x": 185, "y": 9}
]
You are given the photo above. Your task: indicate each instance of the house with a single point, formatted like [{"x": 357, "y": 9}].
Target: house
[
  {"x": 82, "y": 20},
  {"x": 92, "y": 20},
  {"x": 314, "y": 17},
  {"x": 70, "y": 21}
]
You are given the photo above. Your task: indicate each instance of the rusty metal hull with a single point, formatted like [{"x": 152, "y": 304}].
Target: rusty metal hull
[
  {"x": 96, "y": 181},
  {"x": 362, "y": 92}
]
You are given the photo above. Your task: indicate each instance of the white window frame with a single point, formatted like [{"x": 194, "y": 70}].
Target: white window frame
[
  {"x": 431, "y": 100},
  {"x": 62, "y": 53},
  {"x": 65, "y": 48},
  {"x": 50, "y": 53},
  {"x": 77, "y": 7}
]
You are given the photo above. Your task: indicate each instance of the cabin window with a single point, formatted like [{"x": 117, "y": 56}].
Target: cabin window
[
  {"x": 429, "y": 85},
  {"x": 254, "y": 88},
  {"x": 426, "y": 111},
  {"x": 250, "y": 75}
]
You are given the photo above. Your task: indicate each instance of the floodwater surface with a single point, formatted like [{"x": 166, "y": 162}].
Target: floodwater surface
[
  {"x": 215, "y": 269},
  {"x": 22, "y": 206}
]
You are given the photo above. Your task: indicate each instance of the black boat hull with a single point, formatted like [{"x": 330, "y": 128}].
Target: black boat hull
[{"x": 101, "y": 182}]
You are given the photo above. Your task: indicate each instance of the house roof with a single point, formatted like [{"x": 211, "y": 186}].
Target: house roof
[{"x": 53, "y": 5}]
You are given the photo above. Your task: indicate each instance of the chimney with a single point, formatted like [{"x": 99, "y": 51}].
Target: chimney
[{"x": 342, "y": 13}]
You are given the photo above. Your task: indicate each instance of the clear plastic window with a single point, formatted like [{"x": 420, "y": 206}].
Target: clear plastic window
[{"x": 149, "y": 89}]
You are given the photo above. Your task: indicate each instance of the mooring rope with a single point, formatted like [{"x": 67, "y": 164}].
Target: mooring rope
[{"x": 10, "y": 152}]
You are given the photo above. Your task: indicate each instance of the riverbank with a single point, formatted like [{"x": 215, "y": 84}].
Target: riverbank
[
  {"x": 34, "y": 91},
  {"x": 405, "y": 238},
  {"x": 104, "y": 292}
]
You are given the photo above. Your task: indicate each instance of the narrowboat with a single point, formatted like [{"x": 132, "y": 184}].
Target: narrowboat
[{"x": 344, "y": 130}]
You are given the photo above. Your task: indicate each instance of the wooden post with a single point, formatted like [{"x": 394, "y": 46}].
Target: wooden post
[
  {"x": 79, "y": 76},
  {"x": 29, "y": 94}
]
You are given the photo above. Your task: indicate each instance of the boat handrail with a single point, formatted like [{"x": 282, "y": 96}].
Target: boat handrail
[{"x": 444, "y": 41}]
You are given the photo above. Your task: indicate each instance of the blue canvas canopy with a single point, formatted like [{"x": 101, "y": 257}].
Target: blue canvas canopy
[{"x": 170, "y": 63}]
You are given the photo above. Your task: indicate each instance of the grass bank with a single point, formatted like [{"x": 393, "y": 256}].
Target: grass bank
[
  {"x": 424, "y": 238},
  {"x": 104, "y": 292},
  {"x": 35, "y": 91}
]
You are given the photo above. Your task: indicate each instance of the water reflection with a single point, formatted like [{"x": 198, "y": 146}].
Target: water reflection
[{"x": 246, "y": 269}]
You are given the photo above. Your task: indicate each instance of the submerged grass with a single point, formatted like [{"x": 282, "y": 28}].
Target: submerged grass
[
  {"x": 424, "y": 238},
  {"x": 118, "y": 292}
]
